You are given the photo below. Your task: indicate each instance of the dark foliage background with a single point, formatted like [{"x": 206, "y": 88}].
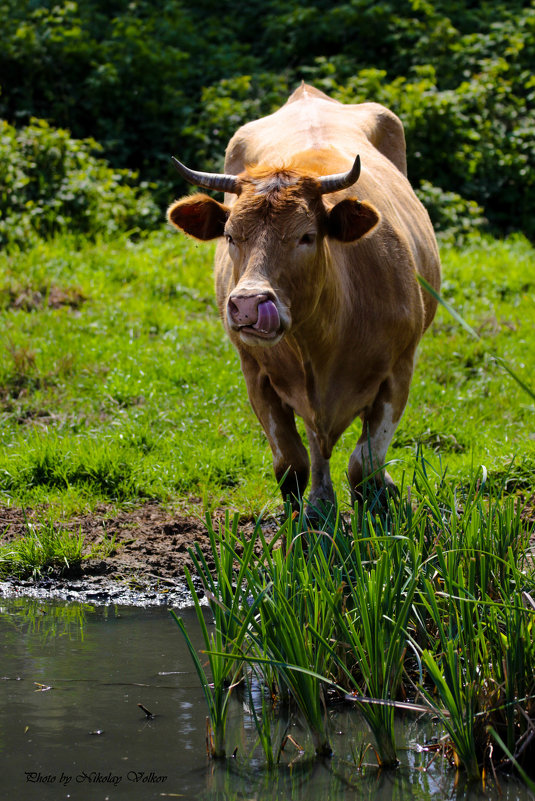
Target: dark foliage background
[{"x": 148, "y": 78}]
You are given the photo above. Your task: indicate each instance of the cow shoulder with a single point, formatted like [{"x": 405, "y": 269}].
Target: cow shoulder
[
  {"x": 236, "y": 158},
  {"x": 384, "y": 130}
]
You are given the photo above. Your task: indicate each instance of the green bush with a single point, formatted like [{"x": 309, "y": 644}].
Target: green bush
[
  {"x": 50, "y": 183},
  {"x": 453, "y": 217},
  {"x": 227, "y": 105},
  {"x": 150, "y": 78}
]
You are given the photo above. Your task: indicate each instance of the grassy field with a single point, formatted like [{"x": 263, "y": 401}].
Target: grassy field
[
  {"x": 117, "y": 383},
  {"x": 118, "y": 386}
]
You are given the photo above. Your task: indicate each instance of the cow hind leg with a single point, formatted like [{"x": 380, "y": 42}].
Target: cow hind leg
[
  {"x": 379, "y": 422},
  {"x": 367, "y": 463},
  {"x": 321, "y": 499}
]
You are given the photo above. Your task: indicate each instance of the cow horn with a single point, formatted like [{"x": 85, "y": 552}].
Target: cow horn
[
  {"x": 207, "y": 180},
  {"x": 332, "y": 183}
]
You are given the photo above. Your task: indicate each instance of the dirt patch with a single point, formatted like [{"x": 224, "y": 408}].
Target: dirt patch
[
  {"x": 144, "y": 565},
  {"x": 147, "y": 540},
  {"x": 53, "y": 297}
]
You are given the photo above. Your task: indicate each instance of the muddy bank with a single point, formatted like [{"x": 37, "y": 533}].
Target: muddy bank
[
  {"x": 145, "y": 565},
  {"x": 99, "y": 591}
]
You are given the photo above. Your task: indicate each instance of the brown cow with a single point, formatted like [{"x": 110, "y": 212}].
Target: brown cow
[{"x": 317, "y": 289}]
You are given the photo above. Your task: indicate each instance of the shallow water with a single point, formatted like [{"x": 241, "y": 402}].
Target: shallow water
[{"x": 71, "y": 679}]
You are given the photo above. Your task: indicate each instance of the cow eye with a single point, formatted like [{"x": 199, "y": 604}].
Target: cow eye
[{"x": 307, "y": 239}]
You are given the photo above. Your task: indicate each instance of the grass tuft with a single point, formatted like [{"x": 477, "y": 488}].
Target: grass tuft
[
  {"x": 425, "y": 605},
  {"x": 45, "y": 548}
]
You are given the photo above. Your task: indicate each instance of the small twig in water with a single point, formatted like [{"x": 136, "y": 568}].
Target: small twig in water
[{"x": 146, "y": 711}]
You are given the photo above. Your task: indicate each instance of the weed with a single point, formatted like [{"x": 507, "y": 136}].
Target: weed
[
  {"x": 425, "y": 599},
  {"x": 44, "y": 548}
]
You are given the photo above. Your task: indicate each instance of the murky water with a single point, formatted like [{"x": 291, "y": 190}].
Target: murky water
[{"x": 71, "y": 679}]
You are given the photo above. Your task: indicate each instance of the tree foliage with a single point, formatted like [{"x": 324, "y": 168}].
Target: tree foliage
[
  {"x": 147, "y": 78},
  {"x": 51, "y": 183}
]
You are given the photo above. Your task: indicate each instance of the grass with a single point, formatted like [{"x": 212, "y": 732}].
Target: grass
[
  {"x": 43, "y": 549},
  {"x": 48, "y": 548},
  {"x": 127, "y": 397},
  {"x": 414, "y": 608},
  {"x": 119, "y": 385}
]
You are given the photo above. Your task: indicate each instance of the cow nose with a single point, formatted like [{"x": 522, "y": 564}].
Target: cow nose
[{"x": 243, "y": 309}]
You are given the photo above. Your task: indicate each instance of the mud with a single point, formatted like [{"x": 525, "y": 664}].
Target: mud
[
  {"x": 144, "y": 567},
  {"x": 146, "y": 564}
]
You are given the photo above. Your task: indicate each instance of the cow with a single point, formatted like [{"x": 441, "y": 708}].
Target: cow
[{"x": 320, "y": 240}]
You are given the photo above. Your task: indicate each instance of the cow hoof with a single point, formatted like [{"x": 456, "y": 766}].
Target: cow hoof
[
  {"x": 374, "y": 495},
  {"x": 321, "y": 513}
]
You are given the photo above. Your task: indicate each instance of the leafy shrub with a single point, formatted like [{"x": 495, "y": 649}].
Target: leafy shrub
[
  {"x": 148, "y": 78},
  {"x": 476, "y": 141},
  {"x": 227, "y": 105},
  {"x": 52, "y": 183},
  {"x": 453, "y": 217}
]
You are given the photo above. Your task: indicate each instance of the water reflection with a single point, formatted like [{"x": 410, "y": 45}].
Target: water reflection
[
  {"x": 336, "y": 780},
  {"x": 43, "y": 621},
  {"x": 71, "y": 679}
]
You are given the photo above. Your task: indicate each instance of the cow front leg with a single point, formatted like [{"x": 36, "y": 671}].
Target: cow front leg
[{"x": 290, "y": 458}]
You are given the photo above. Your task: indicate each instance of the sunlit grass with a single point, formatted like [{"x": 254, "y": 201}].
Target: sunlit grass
[
  {"x": 117, "y": 382},
  {"x": 415, "y": 607},
  {"x": 48, "y": 548},
  {"x": 44, "y": 548}
]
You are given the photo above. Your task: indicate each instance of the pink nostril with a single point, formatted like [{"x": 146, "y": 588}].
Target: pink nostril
[
  {"x": 233, "y": 309},
  {"x": 254, "y": 313},
  {"x": 243, "y": 309}
]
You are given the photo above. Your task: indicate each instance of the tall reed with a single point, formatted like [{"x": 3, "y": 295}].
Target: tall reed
[
  {"x": 453, "y": 669},
  {"x": 372, "y": 629},
  {"x": 224, "y": 645},
  {"x": 290, "y": 613},
  {"x": 428, "y": 594}
]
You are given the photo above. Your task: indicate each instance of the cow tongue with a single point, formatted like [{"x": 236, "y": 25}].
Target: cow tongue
[{"x": 268, "y": 321}]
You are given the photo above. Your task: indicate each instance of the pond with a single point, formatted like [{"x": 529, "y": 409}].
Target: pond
[{"x": 72, "y": 677}]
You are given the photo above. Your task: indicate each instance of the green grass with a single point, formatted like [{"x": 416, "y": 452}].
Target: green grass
[
  {"x": 426, "y": 607},
  {"x": 44, "y": 548},
  {"x": 133, "y": 395},
  {"x": 117, "y": 382},
  {"x": 118, "y": 385},
  {"x": 475, "y": 412}
]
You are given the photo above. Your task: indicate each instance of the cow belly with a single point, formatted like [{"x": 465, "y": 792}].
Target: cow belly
[{"x": 327, "y": 410}]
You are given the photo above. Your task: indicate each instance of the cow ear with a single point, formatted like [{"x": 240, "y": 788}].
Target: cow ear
[
  {"x": 350, "y": 219},
  {"x": 199, "y": 215}
]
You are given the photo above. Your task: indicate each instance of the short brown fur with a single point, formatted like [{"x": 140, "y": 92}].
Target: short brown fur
[{"x": 340, "y": 271}]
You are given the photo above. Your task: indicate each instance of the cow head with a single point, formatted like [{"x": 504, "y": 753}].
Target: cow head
[{"x": 275, "y": 233}]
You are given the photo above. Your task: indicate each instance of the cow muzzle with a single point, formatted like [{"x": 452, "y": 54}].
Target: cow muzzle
[{"x": 254, "y": 316}]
